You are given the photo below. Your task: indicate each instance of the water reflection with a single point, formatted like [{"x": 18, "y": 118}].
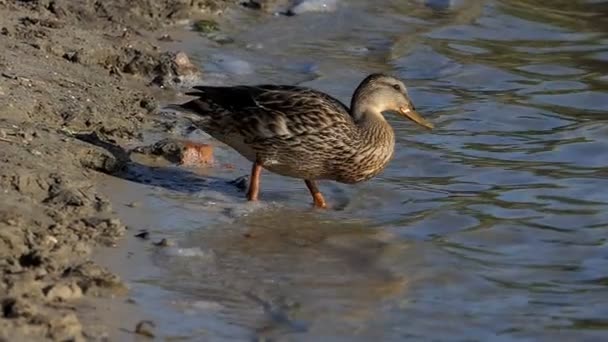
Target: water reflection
[{"x": 272, "y": 279}]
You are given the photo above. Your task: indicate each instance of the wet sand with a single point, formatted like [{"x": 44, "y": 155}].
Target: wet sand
[{"x": 77, "y": 79}]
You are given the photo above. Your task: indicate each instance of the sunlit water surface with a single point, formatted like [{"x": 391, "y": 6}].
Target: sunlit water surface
[{"x": 493, "y": 226}]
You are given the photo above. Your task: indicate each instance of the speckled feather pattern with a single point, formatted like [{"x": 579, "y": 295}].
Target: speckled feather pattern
[{"x": 294, "y": 131}]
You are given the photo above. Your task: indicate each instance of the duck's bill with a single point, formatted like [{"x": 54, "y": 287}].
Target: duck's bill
[{"x": 417, "y": 118}]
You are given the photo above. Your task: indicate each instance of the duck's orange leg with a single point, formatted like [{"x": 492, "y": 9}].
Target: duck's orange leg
[
  {"x": 319, "y": 201},
  {"x": 254, "y": 182}
]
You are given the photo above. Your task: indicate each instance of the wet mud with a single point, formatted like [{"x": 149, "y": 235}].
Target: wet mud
[{"x": 73, "y": 74}]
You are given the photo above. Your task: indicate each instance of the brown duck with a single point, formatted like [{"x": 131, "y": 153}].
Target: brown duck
[{"x": 303, "y": 133}]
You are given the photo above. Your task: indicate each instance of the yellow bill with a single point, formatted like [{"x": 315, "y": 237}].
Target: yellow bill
[{"x": 417, "y": 118}]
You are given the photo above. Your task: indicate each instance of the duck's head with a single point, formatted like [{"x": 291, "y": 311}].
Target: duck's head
[{"x": 379, "y": 93}]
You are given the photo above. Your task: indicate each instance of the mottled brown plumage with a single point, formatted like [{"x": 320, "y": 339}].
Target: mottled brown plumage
[{"x": 303, "y": 133}]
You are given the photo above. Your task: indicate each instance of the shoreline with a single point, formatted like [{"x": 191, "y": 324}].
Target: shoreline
[{"x": 69, "y": 72}]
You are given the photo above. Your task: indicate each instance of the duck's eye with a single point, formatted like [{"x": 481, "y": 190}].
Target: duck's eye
[{"x": 396, "y": 87}]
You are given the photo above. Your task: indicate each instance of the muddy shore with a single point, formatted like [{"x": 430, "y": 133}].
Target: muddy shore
[{"x": 72, "y": 74}]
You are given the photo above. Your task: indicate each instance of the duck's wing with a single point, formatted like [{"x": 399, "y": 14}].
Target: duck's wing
[{"x": 267, "y": 111}]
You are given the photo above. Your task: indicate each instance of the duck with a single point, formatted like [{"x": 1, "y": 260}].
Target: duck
[{"x": 303, "y": 133}]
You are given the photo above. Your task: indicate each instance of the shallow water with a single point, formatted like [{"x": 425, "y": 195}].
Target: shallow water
[{"x": 493, "y": 226}]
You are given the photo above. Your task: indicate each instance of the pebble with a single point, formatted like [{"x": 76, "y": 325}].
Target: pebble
[
  {"x": 443, "y": 5},
  {"x": 254, "y": 46},
  {"x": 357, "y": 50},
  {"x": 51, "y": 240},
  {"x": 240, "y": 183},
  {"x": 145, "y": 328},
  {"x": 192, "y": 252},
  {"x": 133, "y": 204},
  {"x": 148, "y": 104},
  {"x": 143, "y": 235},
  {"x": 314, "y": 6},
  {"x": 64, "y": 292},
  {"x": 205, "y": 26},
  {"x": 220, "y": 38},
  {"x": 197, "y": 154},
  {"x": 181, "y": 59},
  {"x": 163, "y": 243},
  {"x": 166, "y": 38},
  {"x": 233, "y": 65},
  {"x": 72, "y": 56}
]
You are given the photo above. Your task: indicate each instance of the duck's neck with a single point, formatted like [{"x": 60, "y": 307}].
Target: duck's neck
[
  {"x": 376, "y": 137},
  {"x": 372, "y": 149},
  {"x": 376, "y": 134},
  {"x": 375, "y": 131}
]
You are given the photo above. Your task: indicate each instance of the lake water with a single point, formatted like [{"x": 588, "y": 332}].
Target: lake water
[{"x": 492, "y": 227}]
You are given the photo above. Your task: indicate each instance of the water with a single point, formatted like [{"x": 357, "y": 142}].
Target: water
[{"x": 491, "y": 227}]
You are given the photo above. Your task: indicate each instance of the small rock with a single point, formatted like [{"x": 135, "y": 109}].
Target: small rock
[
  {"x": 133, "y": 204},
  {"x": 56, "y": 8},
  {"x": 67, "y": 197},
  {"x": 10, "y": 77},
  {"x": 241, "y": 183},
  {"x": 313, "y": 6},
  {"x": 63, "y": 292},
  {"x": 18, "y": 307},
  {"x": 114, "y": 223},
  {"x": 143, "y": 235},
  {"x": 163, "y": 243},
  {"x": 252, "y": 4},
  {"x": 50, "y": 240},
  {"x": 180, "y": 151},
  {"x": 55, "y": 49},
  {"x": 183, "y": 64},
  {"x": 65, "y": 328},
  {"x": 145, "y": 328},
  {"x": 443, "y": 5},
  {"x": 165, "y": 38},
  {"x": 233, "y": 65},
  {"x": 140, "y": 63},
  {"x": 196, "y": 154},
  {"x": 72, "y": 56},
  {"x": 175, "y": 68},
  {"x": 205, "y": 26},
  {"x": 254, "y": 46},
  {"x": 220, "y": 38},
  {"x": 149, "y": 104},
  {"x": 268, "y": 6}
]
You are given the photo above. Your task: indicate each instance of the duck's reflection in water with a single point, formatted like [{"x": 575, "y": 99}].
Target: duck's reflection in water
[{"x": 282, "y": 272}]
